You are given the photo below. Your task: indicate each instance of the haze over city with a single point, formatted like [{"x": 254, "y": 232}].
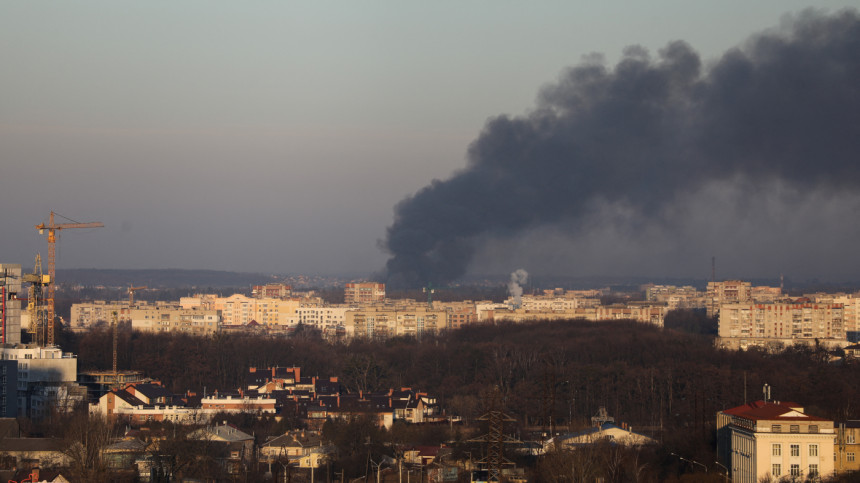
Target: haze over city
[{"x": 280, "y": 137}]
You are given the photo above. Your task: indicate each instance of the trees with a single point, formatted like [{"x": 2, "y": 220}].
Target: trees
[{"x": 85, "y": 438}]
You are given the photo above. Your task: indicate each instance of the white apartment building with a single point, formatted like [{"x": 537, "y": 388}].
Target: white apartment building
[
  {"x": 644, "y": 312},
  {"x": 749, "y": 324},
  {"x": 851, "y": 310},
  {"x": 774, "y": 439},
  {"x": 322, "y": 317},
  {"x": 85, "y": 315},
  {"x": 552, "y": 303},
  {"x": 46, "y": 375},
  {"x": 174, "y": 319}
]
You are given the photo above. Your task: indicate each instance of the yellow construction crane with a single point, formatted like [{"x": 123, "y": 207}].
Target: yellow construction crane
[
  {"x": 36, "y": 300},
  {"x": 52, "y": 262},
  {"x": 114, "y": 322}
]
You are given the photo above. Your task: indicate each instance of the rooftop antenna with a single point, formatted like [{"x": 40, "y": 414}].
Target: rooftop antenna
[{"x": 766, "y": 390}]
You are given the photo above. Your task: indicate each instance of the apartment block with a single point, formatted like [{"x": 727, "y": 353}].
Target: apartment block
[
  {"x": 726, "y": 292},
  {"x": 742, "y": 325},
  {"x": 272, "y": 291},
  {"x": 553, "y": 303},
  {"x": 685, "y": 297},
  {"x": 174, "y": 319},
  {"x": 363, "y": 293},
  {"x": 644, "y": 312},
  {"x": 87, "y": 314},
  {"x": 322, "y": 317},
  {"x": 384, "y": 321},
  {"x": 45, "y": 376}
]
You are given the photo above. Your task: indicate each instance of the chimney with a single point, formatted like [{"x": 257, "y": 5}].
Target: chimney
[
  {"x": 360, "y": 394},
  {"x": 338, "y": 400},
  {"x": 252, "y": 370}
]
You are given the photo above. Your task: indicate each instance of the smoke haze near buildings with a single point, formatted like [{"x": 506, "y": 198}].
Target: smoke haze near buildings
[{"x": 659, "y": 156}]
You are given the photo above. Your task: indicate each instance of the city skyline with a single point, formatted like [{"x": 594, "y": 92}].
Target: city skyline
[{"x": 279, "y": 139}]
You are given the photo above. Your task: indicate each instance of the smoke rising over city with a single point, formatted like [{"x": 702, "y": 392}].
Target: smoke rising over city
[{"x": 774, "y": 122}]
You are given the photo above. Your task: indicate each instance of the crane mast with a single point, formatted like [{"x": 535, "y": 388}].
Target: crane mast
[{"x": 53, "y": 228}]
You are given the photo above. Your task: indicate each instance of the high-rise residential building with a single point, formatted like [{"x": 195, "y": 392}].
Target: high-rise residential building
[
  {"x": 364, "y": 293},
  {"x": 384, "y": 321},
  {"x": 726, "y": 292},
  {"x": 743, "y": 325},
  {"x": 10, "y": 305},
  {"x": 46, "y": 376}
]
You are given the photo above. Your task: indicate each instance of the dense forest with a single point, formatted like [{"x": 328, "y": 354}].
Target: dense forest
[{"x": 668, "y": 382}]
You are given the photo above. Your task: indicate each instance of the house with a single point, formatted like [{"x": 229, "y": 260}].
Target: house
[
  {"x": 765, "y": 439},
  {"x": 29, "y": 453},
  {"x": 237, "y": 446},
  {"x": 604, "y": 433},
  {"x": 122, "y": 454},
  {"x": 305, "y": 449}
]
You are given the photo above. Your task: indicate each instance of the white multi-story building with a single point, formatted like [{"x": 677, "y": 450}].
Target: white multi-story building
[
  {"x": 87, "y": 314},
  {"x": 173, "y": 319},
  {"x": 322, "y": 317},
  {"x": 764, "y": 440},
  {"x": 46, "y": 375}
]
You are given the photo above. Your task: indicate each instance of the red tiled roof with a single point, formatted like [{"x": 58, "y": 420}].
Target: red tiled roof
[{"x": 760, "y": 410}]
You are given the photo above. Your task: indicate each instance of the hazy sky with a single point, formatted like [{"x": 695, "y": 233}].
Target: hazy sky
[{"x": 278, "y": 136}]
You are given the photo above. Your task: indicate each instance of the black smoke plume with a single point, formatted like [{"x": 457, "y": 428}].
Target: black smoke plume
[{"x": 783, "y": 107}]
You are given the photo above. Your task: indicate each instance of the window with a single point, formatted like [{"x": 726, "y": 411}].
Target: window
[
  {"x": 813, "y": 428},
  {"x": 776, "y": 428},
  {"x": 794, "y": 428},
  {"x": 795, "y": 470},
  {"x": 850, "y": 456},
  {"x": 813, "y": 450},
  {"x": 850, "y": 438},
  {"x": 777, "y": 450},
  {"x": 777, "y": 470},
  {"x": 795, "y": 450},
  {"x": 813, "y": 471}
]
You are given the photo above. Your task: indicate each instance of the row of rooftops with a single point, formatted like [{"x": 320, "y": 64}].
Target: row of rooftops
[{"x": 271, "y": 388}]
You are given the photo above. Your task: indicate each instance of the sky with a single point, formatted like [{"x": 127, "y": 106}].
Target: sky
[{"x": 279, "y": 136}]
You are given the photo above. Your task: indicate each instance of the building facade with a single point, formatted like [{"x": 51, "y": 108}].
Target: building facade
[
  {"x": 742, "y": 325},
  {"x": 363, "y": 293},
  {"x": 764, "y": 440},
  {"x": 10, "y": 305}
]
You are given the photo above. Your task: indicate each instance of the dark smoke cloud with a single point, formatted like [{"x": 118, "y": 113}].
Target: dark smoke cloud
[{"x": 647, "y": 134}]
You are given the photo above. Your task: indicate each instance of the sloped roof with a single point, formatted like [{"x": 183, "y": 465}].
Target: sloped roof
[
  {"x": 10, "y": 445},
  {"x": 128, "y": 398},
  {"x": 153, "y": 391},
  {"x": 772, "y": 411},
  {"x": 224, "y": 432}
]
